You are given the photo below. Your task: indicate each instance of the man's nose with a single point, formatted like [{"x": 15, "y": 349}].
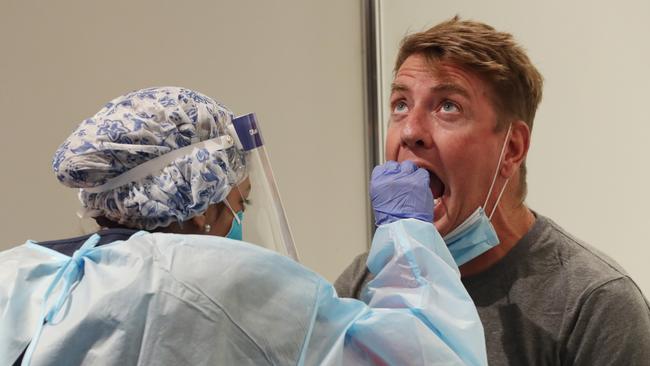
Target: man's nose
[{"x": 416, "y": 133}]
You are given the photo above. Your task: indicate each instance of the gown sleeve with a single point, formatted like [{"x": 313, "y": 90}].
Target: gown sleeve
[{"x": 414, "y": 312}]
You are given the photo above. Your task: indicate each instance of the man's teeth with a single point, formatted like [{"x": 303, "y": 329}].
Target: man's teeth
[{"x": 436, "y": 200}]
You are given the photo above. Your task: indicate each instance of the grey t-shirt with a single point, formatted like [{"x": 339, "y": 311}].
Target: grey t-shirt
[{"x": 552, "y": 300}]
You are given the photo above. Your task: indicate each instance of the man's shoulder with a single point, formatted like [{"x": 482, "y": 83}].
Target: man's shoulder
[
  {"x": 551, "y": 261},
  {"x": 353, "y": 278},
  {"x": 593, "y": 276},
  {"x": 547, "y": 260},
  {"x": 576, "y": 258},
  {"x": 553, "y": 289}
]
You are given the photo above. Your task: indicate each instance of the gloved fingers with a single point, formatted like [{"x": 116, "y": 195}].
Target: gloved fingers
[
  {"x": 391, "y": 167},
  {"x": 401, "y": 176},
  {"x": 376, "y": 173},
  {"x": 422, "y": 174},
  {"x": 408, "y": 167},
  {"x": 385, "y": 168},
  {"x": 400, "y": 190}
]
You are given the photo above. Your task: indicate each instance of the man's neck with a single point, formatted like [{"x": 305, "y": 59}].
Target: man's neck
[{"x": 510, "y": 224}]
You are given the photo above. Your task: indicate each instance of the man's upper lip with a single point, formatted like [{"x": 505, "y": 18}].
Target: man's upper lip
[{"x": 421, "y": 163}]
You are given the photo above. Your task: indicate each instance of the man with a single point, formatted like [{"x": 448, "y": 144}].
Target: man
[{"x": 462, "y": 104}]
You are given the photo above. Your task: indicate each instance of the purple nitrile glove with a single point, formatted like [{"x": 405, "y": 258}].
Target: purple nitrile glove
[{"x": 400, "y": 191}]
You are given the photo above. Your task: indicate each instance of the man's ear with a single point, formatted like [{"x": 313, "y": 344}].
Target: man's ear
[{"x": 517, "y": 149}]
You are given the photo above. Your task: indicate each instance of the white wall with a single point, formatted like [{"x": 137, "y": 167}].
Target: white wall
[
  {"x": 588, "y": 163},
  {"x": 297, "y": 64}
]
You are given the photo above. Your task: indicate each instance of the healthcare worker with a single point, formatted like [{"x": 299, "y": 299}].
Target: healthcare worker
[{"x": 159, "y": 167}]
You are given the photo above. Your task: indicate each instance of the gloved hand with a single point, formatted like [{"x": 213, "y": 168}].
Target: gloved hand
[{"x": 399, "y": 191}]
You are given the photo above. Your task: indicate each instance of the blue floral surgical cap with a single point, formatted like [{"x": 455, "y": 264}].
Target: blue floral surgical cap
[{"x": 136, "y": 128}]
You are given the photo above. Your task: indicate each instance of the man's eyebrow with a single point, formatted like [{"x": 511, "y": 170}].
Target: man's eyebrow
[
  {"x": 440, "y": 88},
  {"x": 397, "y": 87},
  {"x": 450, "y": 88}
]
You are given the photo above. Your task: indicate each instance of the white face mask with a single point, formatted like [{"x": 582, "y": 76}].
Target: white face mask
[{"x": 476, "y": 235}]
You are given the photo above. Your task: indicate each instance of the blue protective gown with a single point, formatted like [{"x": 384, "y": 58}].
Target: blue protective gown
[{"x": 168, "y": 299}]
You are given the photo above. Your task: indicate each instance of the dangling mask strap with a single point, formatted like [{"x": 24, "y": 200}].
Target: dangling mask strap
[
  {"x": 225, "y": 202},
  {"x": 496, "y": 173}
]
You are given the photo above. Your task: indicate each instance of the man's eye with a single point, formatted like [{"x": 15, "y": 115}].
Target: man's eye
[
  {"x": 400, "y": 107},
  {"x": 449, "y": 107}
]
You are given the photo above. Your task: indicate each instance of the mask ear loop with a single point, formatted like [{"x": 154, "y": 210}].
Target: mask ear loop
[
  {"x": 241, "y": 194},
  {"x": 225, "y": 202},
  {"x": 494, "y": 178}
]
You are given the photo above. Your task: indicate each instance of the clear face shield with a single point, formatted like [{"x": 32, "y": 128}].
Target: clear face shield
[{"x": 264, "y": 222}]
